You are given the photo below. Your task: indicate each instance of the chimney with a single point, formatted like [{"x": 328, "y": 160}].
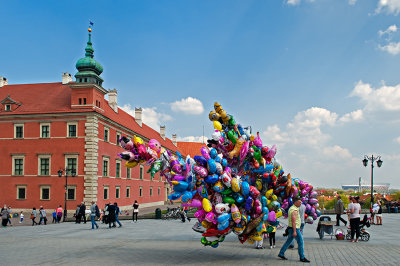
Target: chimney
[
  {"x": 174, "y": 140},
  {"x": 66, "y": 78},
  {"x": 138, "y": 116},
  {"x": 3, "y": 81},
  {"x": 162, "y": 132},
  {"x": 112, "y": 100}
]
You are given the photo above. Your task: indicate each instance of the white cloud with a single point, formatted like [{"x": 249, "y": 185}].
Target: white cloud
[
  {"x": 188, "y": 106},
  {"x": 389, "y": 30},
  {"x": 388, "y": 6},
  {"x": 352, "y": 116},
  {"x": 150, "y": 116},
  {"x": 336, "y": 152},
  {"x": 352, "y": 2},
  {"x": 397, "y": 140},
  {"x": 293, "y": 2},
  {"x": 200, "y": 139},
  {"x": 385, "y": 98},
  {"x": 392, "y": 48}
]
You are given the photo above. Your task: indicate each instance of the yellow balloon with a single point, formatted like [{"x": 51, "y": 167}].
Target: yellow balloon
[
  {"x": 131, "y": 164},
  {"x": 217, "y": 125},
  {"x": 269, "y": 193},
  {"x": 206, "y": 224},
  {"x": 137, "y": 140},
  {"x": 274, "y": 198},
  {"x": 207, "y": 205},
  {"x": 278, "y": 213}
]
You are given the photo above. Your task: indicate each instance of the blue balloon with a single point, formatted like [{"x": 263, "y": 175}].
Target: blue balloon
[
  {"x": 212, "y": 167},
  {"x": 174, "y": 196},
  {"x": 213, "y": 153},
  {"x": 200, "y": 160},
  {"x": 245, "y": 188},
  {"x": 211, "y": 179}
]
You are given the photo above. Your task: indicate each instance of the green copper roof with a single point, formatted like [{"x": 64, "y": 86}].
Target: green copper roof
[{"x": 87, "y": 66}]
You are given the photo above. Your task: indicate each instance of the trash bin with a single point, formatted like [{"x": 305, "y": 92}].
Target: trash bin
[
  {"x": 396, "y": 209},
  {"x": 158, "y": 213}
]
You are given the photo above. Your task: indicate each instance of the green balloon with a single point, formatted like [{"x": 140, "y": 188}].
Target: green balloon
[
  {"x": 231, "y": 136},
  {"x": 228, "y": 200},
  {"x": 227, "y": 191}
]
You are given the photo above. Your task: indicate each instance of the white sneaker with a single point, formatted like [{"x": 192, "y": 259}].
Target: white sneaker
[
  {"x": 270, "y": 247},
  {"x": 274, "y": 246}
]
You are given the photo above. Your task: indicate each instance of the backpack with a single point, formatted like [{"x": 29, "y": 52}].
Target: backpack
[{"x": 97, "y": 211}]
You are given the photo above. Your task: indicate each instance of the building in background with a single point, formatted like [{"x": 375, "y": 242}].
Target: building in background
[{"x": 51, "y": 127}]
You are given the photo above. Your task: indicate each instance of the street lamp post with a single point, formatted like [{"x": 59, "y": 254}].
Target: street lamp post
[
  {"x": 379, "y": 164},
  {"x": 67, "y": 171}
]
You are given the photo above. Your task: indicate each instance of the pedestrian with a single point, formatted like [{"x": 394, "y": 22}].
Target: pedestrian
[
  {"x": 135, "y": 211},
  {"x": 9, "y": 215},
  {"x": 294, "y": 224},
  {"x": 355, "y": 211},
  {"x": 94, "y": 211},
  {"x": 302, "y": 211},
  {"x": 185, "y": 209},
  {"x": 379, "y": 213},
  {"x": 21, "y": 216},
  {"x": 82, "y": 212},
  {"x": 339, "y": 210},
  {"x": 33, "y": 216},
  {"x": 59, "y": 212},
  {"x": 111, "y": 215},
  {"x": 54, "y": 217},
  {"x": 4, "y": 216},
  {"x": 77, "y": 214},
  {"x": 348, "y": 210},
  {"x": 182, "y": 214},
  {"x": 42, "y": 215},
  {"x": 117, "y": 213},
  {"x": 105, "y": 214},
  {"x": 259, "y": 243}
]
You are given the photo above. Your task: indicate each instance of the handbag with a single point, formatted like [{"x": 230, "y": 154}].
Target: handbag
[{"x": 32, "y": 216}]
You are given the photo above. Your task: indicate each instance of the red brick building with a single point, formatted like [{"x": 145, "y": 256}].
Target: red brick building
[{"x": 50, "y": 127}]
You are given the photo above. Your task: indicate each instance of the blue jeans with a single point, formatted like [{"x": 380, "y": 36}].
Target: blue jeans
[
  {"x": 301, "y": 230},
  {"x": 116, "y": 219},
  {"x": 93, "y": 221},
  {"x": 299, "y": 239}
]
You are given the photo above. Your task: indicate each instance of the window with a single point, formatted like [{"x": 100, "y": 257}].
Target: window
[
  {"x": 151, "y": 191},
  {"x": 128, "y": 192},
  {"x": 84, "y": 100},
  {"x": 85, "y": 80},
  {"x": 7, "y": 107},
  {"x": 118, "y": 136},
  {"x": 128, "y": 172},
  {"x": 106, "y": 134},
  {"x": 117, "y": 190},
  {"x": 45, "y": 130},
  {"x": 105, "y": 192},
  {"x": 45, "y": 192},
  {"x": 72, "y": 130},
  {"x": 19, "y": 131},
  {"x": 18, "y": 165},
  {"x": 159, "y": 177},
  {"x": 159, "y": 191},
  {"x": 71, "y": 164},
  {"x": 71, "y": 192},
  {"x": 118, "y": 169},
  {"x": 44, "y": 166},
  {"x": 141, "y": 172},
  {"x": 140, "y": 191},
  {"x": 80, "y": 101},
  {"x": 105, "y": 167},
  {"x": 21, "y": 192}
]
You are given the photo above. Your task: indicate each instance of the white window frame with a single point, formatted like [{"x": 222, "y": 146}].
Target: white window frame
[
  {"x": 71, "y": 156},
  {"x": 140, "y": 191},
  {"x": 7, "y": 107},
  {"x": 119, "y": 192},
  {"x": 108, "y": 167},
  {"x": 44, "y": 156},
  {"x": 22, "y": 156},
  {"x": 120, "y": 164},
  {"x": 41, "y": 131},
  {"x": 41, "y": 191},
  {"x": 21, "y": 186},
  {"x": 15, "y": 130},
  {"x": 128, "y": 195},
  {"x": 76, "y": 126},
  {"x": 141, "y": 172},
  {"x": 108, "y": 134},
  {"x": 74, "y": 188},
  {"x": 151, "y": 191},
  {"x": 128, "y": 170},
  {"x": 159, "y": 191},
  {"x": 108, "y": 192},
  {"x": 118, "y": 134}
]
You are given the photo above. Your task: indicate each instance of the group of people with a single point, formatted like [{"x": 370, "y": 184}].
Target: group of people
[
  {"x": 6, "y": 214},
  {"x": 80, "y": 213}
]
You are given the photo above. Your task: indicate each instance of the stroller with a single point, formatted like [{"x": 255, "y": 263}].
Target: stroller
[{"x": 364, "y": 234}]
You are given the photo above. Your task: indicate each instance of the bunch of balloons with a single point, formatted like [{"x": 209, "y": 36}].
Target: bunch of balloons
[{"x": 236, "y": 184}]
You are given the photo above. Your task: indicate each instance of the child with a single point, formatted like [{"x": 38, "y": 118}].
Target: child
[
  {"x": 272, "y": 238},
  {"x": 22, "y": 217},
  {"x": 54, "y": 217}
]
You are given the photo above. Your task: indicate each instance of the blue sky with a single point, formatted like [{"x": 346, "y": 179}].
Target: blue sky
[{"x": 320, "y": 79}]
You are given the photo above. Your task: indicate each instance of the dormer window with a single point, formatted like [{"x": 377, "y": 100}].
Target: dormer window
[{"x": 7, "y": 107}]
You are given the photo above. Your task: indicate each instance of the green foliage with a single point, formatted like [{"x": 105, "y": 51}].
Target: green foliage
[
  {"x": 330, "y": 205},
  {"x": 396, "y": 196}
]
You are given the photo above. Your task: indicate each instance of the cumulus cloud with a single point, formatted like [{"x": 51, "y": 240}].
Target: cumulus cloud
[
  {"x": 189, "y": 105},
  {"x": 357, "y": 115},
  {"x": 385, "y": 98},
  {"x": 388, "y": 6},
  {"x": 293, "y": 2},
  {"x": 389, "y": 30},
  {"x": 200, "y": 139},
  {"x": 336, "y": 152},
  {"x": 392, "y": 48},
  {"x": 150, "y": 116},
  {"x": 397, "y": 140},
  {"x": 352, "y": 2}
]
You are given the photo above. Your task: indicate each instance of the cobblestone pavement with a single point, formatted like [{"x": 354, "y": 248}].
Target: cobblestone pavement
[{"x": 152, "y": 242}]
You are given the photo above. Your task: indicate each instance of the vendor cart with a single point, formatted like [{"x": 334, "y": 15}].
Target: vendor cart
[{"x": 325, "y": 225}]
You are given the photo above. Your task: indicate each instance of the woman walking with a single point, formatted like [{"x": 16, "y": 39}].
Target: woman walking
[
  {"x": 379, "y": 214},
  {"x": 33, "y": 216},
  {"x": 135, "y": 211},
  {"x": 355, "y": 211},
  {"x": 4, "y": 216}
]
